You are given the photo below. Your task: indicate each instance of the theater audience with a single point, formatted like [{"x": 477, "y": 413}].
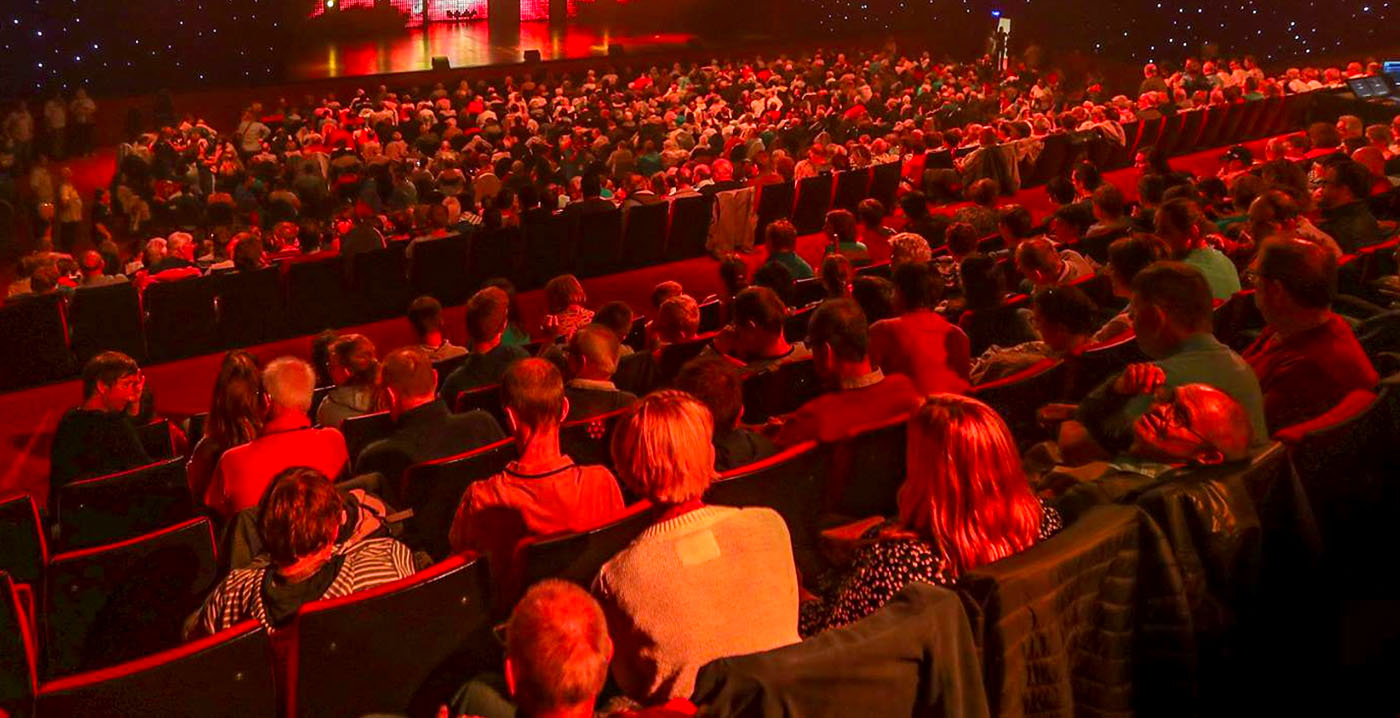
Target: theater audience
[
  {"x": 782, "y": 250},
  {"x": 425, "y": 316},
  {"x": 911, "y": 247},
  {"x": 677, "y": 320},
  {"x": 1063, "y": 317},
  {"x": 565, "y": 300},
  {"x": 1043, "y": 266},
  {"x": 1345, "y": 215},
  {"x": 988, "y": 320},
  {"x": 1127, "y": 257},
  {"x": 1179, "y": 224},
  {"x": 99, "y": 437},
  {"x": 488, "y": 312},
  {"x": 424, "y": 427},
  {"x": 921, "y": 222},
  {"x": 718, "y": 384},
  {"x": 861, "y": 395},
  {"x": 919, "y": 343},
  {"x": 843, "y": 236},
  {"x": 543, "y": 492},
  {"x": 287, "y": 439},
  {"x": 355, "y": 371},
  {"x": 965, "y": 502},
  {"x": 592, "y": 357},
  {"x": 1111, "y": 222},
  {"x": 235, "y": 417},
  {"x": 515, "y": 334},
  {"x": 836, "y": 275},
  {"x": 1307, "y": 359},
  {"x": 299, "y": 522},
  {"x": 754, "y": 338},
  {"x": 705, "y": 556}
]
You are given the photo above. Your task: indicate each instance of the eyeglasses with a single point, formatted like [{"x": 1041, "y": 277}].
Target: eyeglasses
[{"x": 1179, "y": 418}]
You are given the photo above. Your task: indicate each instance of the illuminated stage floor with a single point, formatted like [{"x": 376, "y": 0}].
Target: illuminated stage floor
[{"x": 465, "y": 44}]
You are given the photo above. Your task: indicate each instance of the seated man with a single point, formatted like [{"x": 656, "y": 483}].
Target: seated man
[
  {"x": 718, "y": 385},
  {"x": 592, "y": 357},
  {"x": 863, "y": 395},
  {"x": 1063, "y": 316},
  {"x": 754, "y": 338},
  {"x": 1345, "y": 215},
  {"x": 1307, "y": 358},
  {"x": 287, "y": 439},
  {"x": 424, "y": 427},
  {"x": 543, "y": 492},
  {"x": 1111, "y": 222},
  {"x": 782, "y": 249},
  {"x": 425, "y": 315},
  {"x": 488, "y": 312},
  {"x": 1171, "y": 308},
  {"x": 299, "y": 524},
  {"x": 99, "y": 437},
  {"x": 1179, "y": 223},
  {"x": 920, "y": 343},
  {"x": 1044, "y": 267},
  {"x": 616, "y": 316}
]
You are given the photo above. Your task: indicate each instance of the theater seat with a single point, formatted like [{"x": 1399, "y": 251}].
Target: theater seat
[
  {"x": 113, "y": 603},
  {"x": 400, "y": 648},
  {"x": 181, "y": 319},
  {"x": 23, "y": 550},
  {"x": 1018, "y": 397},
  {"x": 227, "y": 675},
  {"x": 913, "y": 657},
  {"x": 644, "y": 235},
  {"x": 813, "y": 202},
  {"x": 361, "y": 431},
  {"x": 116, "y": 507},
  {"x": 780, "y": 391},
  {"x": 486, "y": 398},
  {"x": 589, "y": 441},
  {"x": 690, "y": 227},
  {"x": 578, "y": 556},
  {"x": 18, "y": 677},
  {"x": 107, "y": 318},
  {"x": 38, "y": 325},
  {"x": 435, "y": 488},
  {"x": 866, "y": 470},
  {"x": 1097, "y": 363},
  {"x": 791, "y": 483}
]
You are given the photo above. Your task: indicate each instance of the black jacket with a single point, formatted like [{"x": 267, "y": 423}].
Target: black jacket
[{"x": 425, "y": 433}]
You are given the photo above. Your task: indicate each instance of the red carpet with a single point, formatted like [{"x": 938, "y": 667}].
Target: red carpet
[{"x": 182, "y": 388}]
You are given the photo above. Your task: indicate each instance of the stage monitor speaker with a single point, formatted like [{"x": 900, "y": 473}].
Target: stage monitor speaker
[
  {"x": 532, "y": 56},
  {"x": 615, "y": 50},
  {"x": 440, "y": 63}
]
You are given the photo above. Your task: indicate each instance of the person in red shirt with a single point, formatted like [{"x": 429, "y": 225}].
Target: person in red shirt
[
  {"x": 839, "y": 340},
  {"x": 543, "y": 492},
  {"x": 287, "y": 439},
  {"x": 920, "y": 343},
  {"x": 1307, "y": 358}
]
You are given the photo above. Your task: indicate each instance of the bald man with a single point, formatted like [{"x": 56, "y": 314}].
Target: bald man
[{"x": 592, "y": 357}]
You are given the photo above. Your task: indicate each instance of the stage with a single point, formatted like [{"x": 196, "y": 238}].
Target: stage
[{"x": 464, "y": 44}]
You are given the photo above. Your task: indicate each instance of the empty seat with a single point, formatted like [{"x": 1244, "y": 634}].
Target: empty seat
[
  {"x": 690, "y": 228},
  {"x": 813, "y": 202},
  {"x": 116, "y": 507},
  {"x": 674, "y": 356},
  {"x": 227, "y": 675},
  {"x": 774, "y": 203},
  {"x": 180, "y": 318},
  {"x": 578, "y": 556},
  {"x": 589, "y": 441},
  {"x": 437, "y": 267},
  {"x": 113, "y": 603},
  {"x": 791, "y": 483},
  {"x": 852, "y": 186},
  {"x": 599, "y": 242},
  {"x": 380, "y": 279},
  {"x": 1238, "y": 321},
  {"x": 23, "y": 550},
  {"x": 866, "y": 470},
  {"x": 884, "y": 184},
  {"x": 1052, "y": 161},
  {"x": 361, "y": 431},
  {"x": 549, "y": 248},
  {"x": 399, "y": 648},
  {"x": 37, "y": 324},
  {"x": 316, "y": 296},
  {"x": 644, "y": 235},
  {"x": 18, "y": 672},
  {"x": 780, "y": 391},
  {"x": 107, "y": 318},
  {"x": 435, "y": 488},
  {"x": 250, "y": 307}
]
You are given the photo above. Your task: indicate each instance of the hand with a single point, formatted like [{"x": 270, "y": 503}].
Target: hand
[
  {"x": 1055, "y": 413},
  {"x": 1142, "y": 378}
]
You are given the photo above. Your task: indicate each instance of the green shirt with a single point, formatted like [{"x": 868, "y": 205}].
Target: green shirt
[
  {"x": 1219, "y": 271},
  {"x": 796, "y": 266}
]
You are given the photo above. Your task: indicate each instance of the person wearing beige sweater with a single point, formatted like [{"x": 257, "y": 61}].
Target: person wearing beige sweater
[{"x": 703, "y": 582}]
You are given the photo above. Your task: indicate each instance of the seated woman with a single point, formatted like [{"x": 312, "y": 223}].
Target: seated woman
[
  {"x": 872, "y": 230},
  {"x": 1063, "y": 316},
  {"x": 565, "y": 299},
  {"x": 965, "y": 503},
  {"x": 842, "y": 239},
  {"x": 836, "y": 275},
  {"x": 300, "y": 521},
  {"x": 670, "y": 596},
  {"x": 235, "y": 417},
  {"x": 355, "y": 370}
]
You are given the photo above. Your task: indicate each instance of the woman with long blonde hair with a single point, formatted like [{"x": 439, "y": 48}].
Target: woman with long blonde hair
[{"x": 965, "y": 503}]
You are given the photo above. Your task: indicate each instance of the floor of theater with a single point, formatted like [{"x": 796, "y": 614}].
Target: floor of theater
[{"x": 182, "y": 388}]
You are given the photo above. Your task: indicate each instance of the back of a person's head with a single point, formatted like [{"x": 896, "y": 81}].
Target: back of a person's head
[
  {"x": 235, "y": 410},
  {"x": 1109, "y": 200},
  {"x": 598, "y": 345},
  {"x": 289, "y": 383},
  {"x": 1305, "y": 270},
  {"x": 962, "y": 239},
  {"x": 1060, "y": 190},
  {"x": 248, "y": 253},
  {"x": 875, "y": 295},
  {"x": 910, "y": 247},
  {"x": 1354, "y": 177},
  {"x": 965, "y": 490},
  {"x": 299, "y": 515},
  {"x": 563, "y": 292},
  {"x": 917, "y": 286},
  {"x": 1014, "y": 219},
  {"x": 914, "y": 205},
  {"x": 591, "y": 185},
  {"x": 1179, "y": 216},
  {"x": 662, "y": 447},
  {"x": 717, "y": 383},
  {"x": 1129, "y": 255},
  {"x": 870, "y": 212},
  {"x": 488, "y": 312},
  {"x": 678, "y": 319},
  {"x": 777, "y": 277},
  {"x": 841, "y": 224},
  {"x": 761, "y": 308},
  {"x": 1180, "y": 290},
  {"x": 106, "y": 368},
  {"x": 982, "y": 281},
  {"x": 665, "y": 290},
  {"x": 983, "y": 192},
  {"x": 558, "y": 647},
  {"x": 836, "y": 274},
  {"x": 321, "y": 355},
  {"x": 617, "y": 316},
  {"x": 408, "y": 373},
  {"x": 1151, "y": 188},
  {"x": 354, "y": 354},
  {"x": 1066, "y": 307},
  {"x": 1088, "y": 175},
  {"x": 1324, "y": 136},
  {"x": 781, "y": 236},
  {"x": 532, "y": 390},
  {"x": 734, "y": 273},
  {"x": 1037, "y": 254},
  {"x": 425, "y": 316},
  {"x": 839, "y": 326}
]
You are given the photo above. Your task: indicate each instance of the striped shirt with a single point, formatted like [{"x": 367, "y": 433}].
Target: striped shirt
[{"x": 367, "y": 564}]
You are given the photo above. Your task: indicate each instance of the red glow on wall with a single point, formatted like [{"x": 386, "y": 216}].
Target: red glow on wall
[{"x": 433, "y": 11}]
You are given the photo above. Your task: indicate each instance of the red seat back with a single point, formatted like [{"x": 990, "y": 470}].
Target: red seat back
[
  {"x": 116, "y": 507},
  {"x": 435, "y": 488}
]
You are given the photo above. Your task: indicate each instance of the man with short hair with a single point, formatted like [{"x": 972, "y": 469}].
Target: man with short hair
[
  {"x": 287, "y": 439},
  {"x": 863, "y": 394},
  {"x": 1179, "y": 224},
  {"x": 1172, "y": 311},
  {"x": 488, "y": 312},
  {"x": 425, "y": 316},
  {"x": 1307, "y": 359},
  {"x": 424, "y": 427},
  {"x": 1110, "y": 222},
  {"x": 1345, "y": 214},
  {"x": 97, "y": 437},
  {"x": 1044, "y": 267},
  {"x": 94, "y": 269},
  {"x": 543, "y": 492},
  {"x": 1063, "y": 317},
  {"x": 592, "y": 357},
  {"x": 754, "y": 338},
  {"x": 782, "y": 249}
]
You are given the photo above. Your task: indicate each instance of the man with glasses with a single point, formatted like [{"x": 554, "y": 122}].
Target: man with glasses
[
  {"x": 1342, "y": 196},
  {"x": 98, "y": 437}
]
